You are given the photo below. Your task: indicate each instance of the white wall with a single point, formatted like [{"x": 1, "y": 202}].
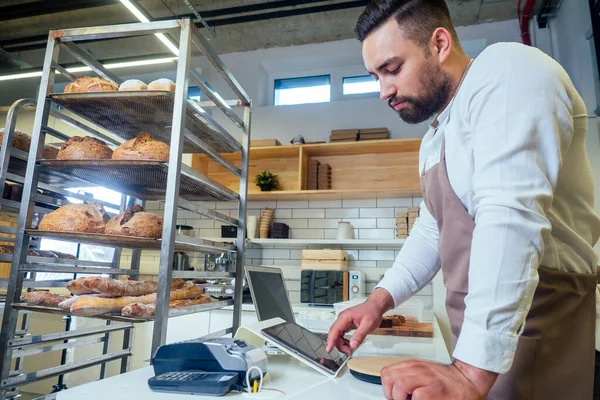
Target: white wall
[{"x": 572, "y": 50}]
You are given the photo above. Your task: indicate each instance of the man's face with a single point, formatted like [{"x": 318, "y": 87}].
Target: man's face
[{"x": 411, "y": 78}]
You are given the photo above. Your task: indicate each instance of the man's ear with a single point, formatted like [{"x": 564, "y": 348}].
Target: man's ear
[{"x": 441, "y": 44}]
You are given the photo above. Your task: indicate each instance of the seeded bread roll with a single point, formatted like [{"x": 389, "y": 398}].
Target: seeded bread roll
[
  {"x": 132, "y": 84},
  {"x": 143, "y": 147},
  {"x": 89, "y": 218},
  {"x": 136, "y": 222},
  {"x": 84, "y": 148},
  {"x": 162, "y": 84},
  {"x": 89, "y": 84}
]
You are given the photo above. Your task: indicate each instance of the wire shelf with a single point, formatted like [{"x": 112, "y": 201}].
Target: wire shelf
[
  {"x": 173, "y": 312},
  {"x": 145, "y": 180},
  {"x": 128, "y": 113},
  {"x": 182, "y": 243}
]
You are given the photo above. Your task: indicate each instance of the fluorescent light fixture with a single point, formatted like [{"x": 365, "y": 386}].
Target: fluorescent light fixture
[
  {"x": 124, "y": 64},
  {"x": 139, "y": 15}
]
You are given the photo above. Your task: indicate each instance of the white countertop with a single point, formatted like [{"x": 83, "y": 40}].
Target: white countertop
[{"x": 297, "y": 380}]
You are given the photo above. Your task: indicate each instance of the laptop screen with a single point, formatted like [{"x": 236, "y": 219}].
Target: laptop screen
[{"x": 269, "y": 295}]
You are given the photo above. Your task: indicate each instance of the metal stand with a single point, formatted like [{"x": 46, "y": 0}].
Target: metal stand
[{"x": 169, "y": 117}]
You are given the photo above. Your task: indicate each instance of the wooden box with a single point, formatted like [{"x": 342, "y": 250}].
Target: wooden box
[{"x": 324, "y": 260}]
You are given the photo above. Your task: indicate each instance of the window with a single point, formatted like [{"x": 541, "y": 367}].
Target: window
[
  {"x": 310, "y": 89},
  {"x": 360, "y": 84}
]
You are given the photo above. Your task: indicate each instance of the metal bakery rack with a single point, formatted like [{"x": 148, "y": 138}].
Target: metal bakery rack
[{"x": 116, "y": 117}]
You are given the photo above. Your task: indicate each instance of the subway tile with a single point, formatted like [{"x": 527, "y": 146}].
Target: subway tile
[
  {"x": 376, "y": 255},
  {"x": 386, "y": 223},
  {"x": 400, "y": 209},
  {"x": 376, "y": 233},
  {"x": 295, "y": 254},
  {"x": 256, "y": 213},
  {"x": 416, "y": 201},
  {"x": 392, "y": 203},
  {"x": 294, "y": 297},
  {"x": 288, "y": 264},
  {"x": 234, "y": 213},
  {"x": 360, "y": 203},
  {"x": 226, "y": 205},
  {"x": 201, "y": 223},
  {"x": 185, "y": 214},
  {"x": 377, "y": 213},
  {"x": 209, "y": 233},
  {"x": 362, "y": 223},
  {"x": 342, "y": 213},
  {"x": 331, "y": 233},
  {"x": 426, "y": 291},
  {"x": 282, "y": 213},
  {"x": 294, "y": 223},
  {"x": 211, "y": 205},
  {"x": 385, "y": 264},
  {"x": 308, "y": 234},
  {"x": 261, "y": 204},
  {"x": 279, "y": 254},
  {"x": 325, "y": 204},
  {"x": 361, "y": 264},
  {"x": 253, "y": 253},
  {"x": 292, "y": 285},
  {"x": 352, "y": 254},
  {"x": 373, "y": 274},
  {"x": 308, "y": 213},
  {"x": 290, "y": 272},
  {"x": 263, "y": 261},
  {"x": 323, "y": 223},
  {"x": 292, "y": 204},
  {"x": 152, "y": 205}
]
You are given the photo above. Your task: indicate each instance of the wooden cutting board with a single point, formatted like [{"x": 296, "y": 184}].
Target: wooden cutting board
[{"x": 410, "y": 329}]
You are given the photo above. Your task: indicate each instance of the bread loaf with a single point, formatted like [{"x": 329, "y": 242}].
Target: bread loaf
[
  {"x": 76, "y": 287},
  {"x": 112, "y": 287},
  {"x": 162, "y": 84},
  {"x": 136, "y": 222},
  {"x": 149, "y": 310},
  {"x": 89, "y": 306},
  {"x": 22, "y": 141},
  {"x": 132, "y": 84},
  {"x": 84, "y": 148},
  {"x": 143, "y": 147},
  {"x": 88, "y": 218},
  {"x": 89, "y": 84},
  {"x": 45, "y": 299}
]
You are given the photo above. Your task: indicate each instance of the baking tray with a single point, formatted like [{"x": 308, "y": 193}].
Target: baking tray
[
  {"x": 145, "y": 179},
  {"x": 128, "y": 113},
  {"x": 182, "y": 243},
  {"x": 173, "y": 312}
]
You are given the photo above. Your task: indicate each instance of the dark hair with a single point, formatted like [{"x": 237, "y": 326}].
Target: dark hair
[{"x": 417, "y": 18}]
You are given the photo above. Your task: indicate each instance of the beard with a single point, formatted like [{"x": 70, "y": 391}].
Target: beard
[{"x": 437, "y": 88}]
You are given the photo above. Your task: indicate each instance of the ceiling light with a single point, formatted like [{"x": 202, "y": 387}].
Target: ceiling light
[
  {"x": 124, "y": 64},
  {"x": 142, "y": 18}
]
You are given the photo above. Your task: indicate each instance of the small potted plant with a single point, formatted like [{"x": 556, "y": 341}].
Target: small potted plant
[{"x": 266, "y": 181}]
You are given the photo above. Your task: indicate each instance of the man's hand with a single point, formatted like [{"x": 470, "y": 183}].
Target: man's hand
[
  {"x": 364, "y": 318},
  {"x": 423, "y": 380}
]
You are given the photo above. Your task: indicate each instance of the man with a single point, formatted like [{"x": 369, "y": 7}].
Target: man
[{"x": 507, "y": 214}]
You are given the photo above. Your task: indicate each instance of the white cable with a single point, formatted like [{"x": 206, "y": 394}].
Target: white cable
[{"x": 248, "y": 378}]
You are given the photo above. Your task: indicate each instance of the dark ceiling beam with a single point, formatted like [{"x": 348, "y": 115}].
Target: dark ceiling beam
[
  {"x": 39, "y": 42},
  {"x": 37, "y": 8}
]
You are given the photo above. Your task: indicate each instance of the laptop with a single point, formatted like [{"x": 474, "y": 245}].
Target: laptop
[{"x": 270, "y": 295}]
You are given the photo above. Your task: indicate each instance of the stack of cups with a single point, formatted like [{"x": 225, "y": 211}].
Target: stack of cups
[
  {"x": 266, "y": 222},
  {"x": 251, "y": 226}
]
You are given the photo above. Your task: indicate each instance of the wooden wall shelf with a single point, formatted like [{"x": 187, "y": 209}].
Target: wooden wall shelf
[{"x": 368, "y": 169}]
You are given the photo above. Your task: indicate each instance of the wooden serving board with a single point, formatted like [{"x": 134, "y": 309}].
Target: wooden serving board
[{"x": 410, "y": 329}]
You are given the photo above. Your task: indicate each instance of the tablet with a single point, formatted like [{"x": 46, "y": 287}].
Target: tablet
[{"x": 306, "y": 345}]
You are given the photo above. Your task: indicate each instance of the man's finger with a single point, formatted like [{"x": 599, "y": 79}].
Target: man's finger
[
  {"x": 359, "y": 335},
  {"x": 343, "y": 345},
  {"x": 341, "y": 325}
]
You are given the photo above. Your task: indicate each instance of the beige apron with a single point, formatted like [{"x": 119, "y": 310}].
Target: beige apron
[{"x": 555, "y": 353}]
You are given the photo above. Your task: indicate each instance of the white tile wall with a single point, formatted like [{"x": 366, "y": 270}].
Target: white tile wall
[{"x": 370, "y": 218}]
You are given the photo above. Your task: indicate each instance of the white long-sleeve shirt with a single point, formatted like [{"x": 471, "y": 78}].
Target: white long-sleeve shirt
[{"x": 516, "y": 159}]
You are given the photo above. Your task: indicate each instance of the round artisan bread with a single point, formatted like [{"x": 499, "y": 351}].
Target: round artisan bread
[
  {"x": 132, "y": 84},
  {"x": 84, "y": 148},
  {"x": 136, "y": 222},
  {"x": 89, "y": 84},
  {"x": 88, "y": 218},
  {"x": 20, "y": 140},
  {"x": 143, "y": 147},
  {"x": 162, "y": 84}
]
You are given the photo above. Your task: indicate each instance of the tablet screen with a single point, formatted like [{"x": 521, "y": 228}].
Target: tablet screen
[{"x": 306, "y": 344}]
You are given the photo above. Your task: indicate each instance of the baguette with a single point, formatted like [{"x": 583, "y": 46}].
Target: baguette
[
  {"x": 90, "y": 306},
  {"x": 113, "y": 287},
  {"x": 148, "y": 310},
  {"x": 76, "y": 287},
  {"x": 45, "y": 299}
]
